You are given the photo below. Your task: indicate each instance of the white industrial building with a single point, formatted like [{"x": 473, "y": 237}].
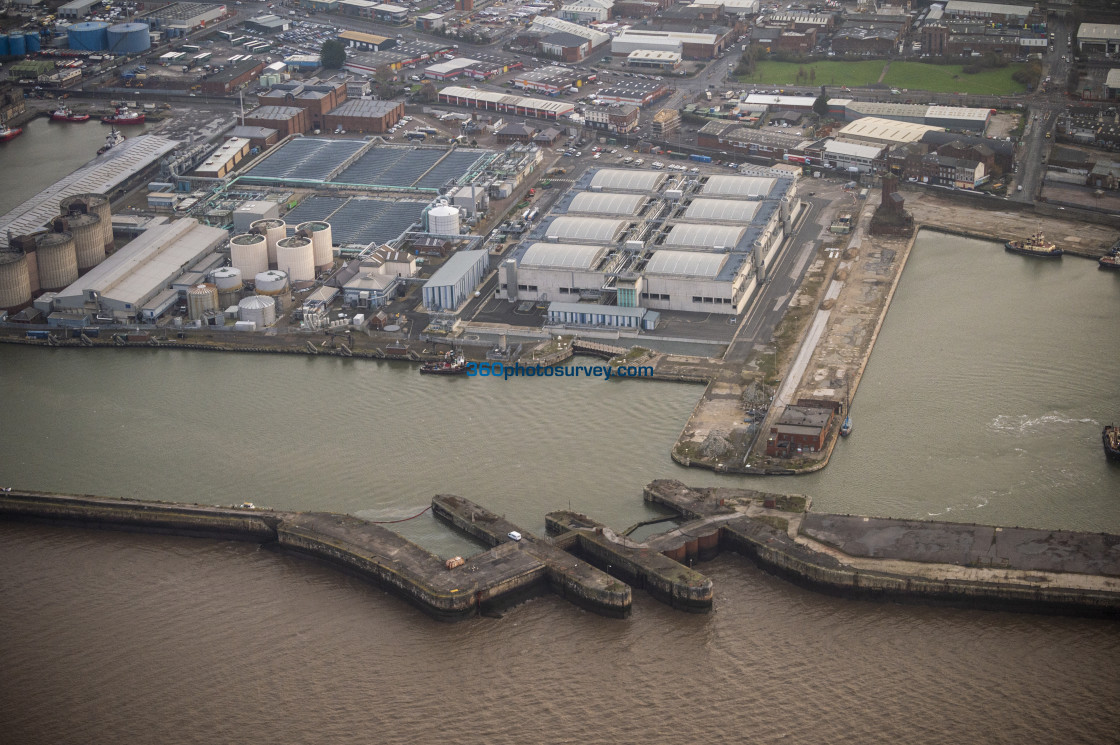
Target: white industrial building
[
  {"x": 873, "y": 130},
  {"x": 547, "y": 24},
  {"x": 1101, "y": 37},
  {"x": 625, "y": 239},
  {"x": 147, "y": 266},
  {"x": 453, "y": 283},
  {"x": 851, "y": 156}
]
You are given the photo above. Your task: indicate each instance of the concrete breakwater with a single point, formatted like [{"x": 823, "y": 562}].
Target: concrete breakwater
[
  {"x": 504, "y": 574},
  {"x": 911, "y": 561},
  {"x": 589, "y": 564}
]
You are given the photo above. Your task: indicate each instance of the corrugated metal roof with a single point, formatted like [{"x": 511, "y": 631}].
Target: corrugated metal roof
[
  {"x": 144, "y": 266},
  {"x": 562, "y": 256},
  {"x": 738, "y": 186},
  {"x": 873, "y": 128},
  {"x": 686, "y": 263},
  {"x": 539, "y": 104},
  {"x": 691, "y": 235},
  {"x": 721, "y": 209},
  {"x": 1088, "y": 31},
  {"x": 607, "y": 204},
  {"x": 617, "y": 179},
  {"x": 852, "y": 149},
  {"x": 590, "y": 229},
  {"x": 456, "y": 266},
  {"x": 101, "y": 175}
]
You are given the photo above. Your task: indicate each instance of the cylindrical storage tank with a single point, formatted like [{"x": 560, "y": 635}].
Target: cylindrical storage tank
[
  {"x": 259, "y": 309},
  {"x": 15, "y": 281},
  {"x": 201, "y": 299},
  {"x": 90, "y": 36},
  {"x": 88, "y": 243},
  {"x": 443, "y": 219},
  {"x": 227, "y": 278},
  {"x": 228, "y": 281},
  {"x": 274, "y": 231},
  {"x": 4, "y": 47},
  {"x": 33, "y": 42},
  {"x": 94, "y": 204},
  {"x": 271, "y": 283},
  {"x": 249, "y": 253},
  {"x": 321, "y": 242},
  {"x": 129, "y": 38},
  {"x": 296, "y": 256},
  {"x": 17, "y": 47},
  {"x": 58, "y": 260}
]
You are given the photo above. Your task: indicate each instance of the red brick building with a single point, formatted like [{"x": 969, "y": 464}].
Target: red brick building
[
  {"x": 317, "y": 97},
  {"x": 286, "y": 120},
  {"x": 800, "y": 429}
]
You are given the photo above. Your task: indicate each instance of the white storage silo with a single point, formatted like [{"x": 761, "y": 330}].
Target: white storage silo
[
  {"x": 228, "y": 281},
  {"x": 296, "y": 256},
  {"x": 271, "y": 283},
  {"x": 57, "y": 260},
  {"x": 94, "y": 204},
  {"x": 249, "y": 253},
  {"x": 258, "y": 309},
  {"x": 201, "y": 299},
  {"x": 321, "y": 241},
  {"x": 15, "y": 281},
  {"x": 443, "y": 219},
  {"x": 89, "y": 243},
  {"x": 274, "y": 231}
]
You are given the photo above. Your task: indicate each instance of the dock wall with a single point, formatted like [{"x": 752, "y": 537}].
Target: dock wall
[{"x": 775, "y": 552}]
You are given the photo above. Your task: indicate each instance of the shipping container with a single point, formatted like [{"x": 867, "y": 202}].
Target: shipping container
[{"x": 700, "y": 158}]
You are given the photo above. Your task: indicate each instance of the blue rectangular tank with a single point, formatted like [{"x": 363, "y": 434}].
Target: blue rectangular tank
[{"x": 17, "y": 47}]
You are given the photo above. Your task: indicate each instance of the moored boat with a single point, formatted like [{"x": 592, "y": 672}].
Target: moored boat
[
  {"x": 124, "y": 116},
  {"x": 846, "y": 427},
  {"x": 65, "y": 114},
  {"x": 1110, "y": 438},
  {"x": 451, "y": 364},
  {"x": 1110, "y": 261},
  {"x": 1036, "y": 245},
  {"x": 113, "y": 139},
  {"x": 8, "y": 133}
]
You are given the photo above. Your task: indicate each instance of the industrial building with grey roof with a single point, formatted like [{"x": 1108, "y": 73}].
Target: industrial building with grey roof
[{"x": 635, "y": 238}]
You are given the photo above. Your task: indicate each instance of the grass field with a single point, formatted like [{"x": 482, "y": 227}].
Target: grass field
[{"x": 914, "y": 76}]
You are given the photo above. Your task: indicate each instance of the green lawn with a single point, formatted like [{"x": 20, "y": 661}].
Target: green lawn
[
  {"x": 914, "y": 76},
  {"x": 950, "y": 79},
  {"x": 860, "y": 73}
]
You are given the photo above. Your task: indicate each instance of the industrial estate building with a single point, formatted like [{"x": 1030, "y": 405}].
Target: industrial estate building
[
  {"x": 122, "y": 285},
  {"x": 623, "y": 241}
]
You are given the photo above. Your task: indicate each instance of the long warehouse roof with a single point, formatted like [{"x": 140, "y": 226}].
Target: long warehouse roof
[
  {"x": 738, "y": 186},
  {"x": 589, "y": 229},
  {"x": 686, "y": 263},
  {"x": 614, "y": 178},
  {"x": 562, "y": 256},
  {"x": 691, "y": 235},
  {"x": 101, "y": 175},
  {"x": 607, "y": 204},
  {"x": 145, "y": 264},
  {"x": 721, "y": 209}
]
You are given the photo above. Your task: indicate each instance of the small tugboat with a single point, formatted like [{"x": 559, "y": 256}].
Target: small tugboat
[
  {"x": 123, "y": 116},
  {"x": 113, "y": 139},
  {"x": 846, "y": 427},
  {"x": 9, "y": 133},
  {"x": 451, "y": 364},
  {"x": 1110, "y": 261},
  {"x": 1036, "y": 245},
  {"x": 64, "y": 114},
  {"x": 1110, "y": 437}
]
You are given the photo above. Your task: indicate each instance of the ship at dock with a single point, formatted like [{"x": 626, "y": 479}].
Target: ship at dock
[
  {"x": 65, "y": 114},
  {"x": 1036, "y": 245},
  {"x": 113, "y": 139},
  {"x": 451, "y": 364},
  {"x": 1110, "y": 438},
  {"x": 1110, "y": 261},
  {"x": 123, "y": 116},
  {"x": 9, "y": 133}
]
